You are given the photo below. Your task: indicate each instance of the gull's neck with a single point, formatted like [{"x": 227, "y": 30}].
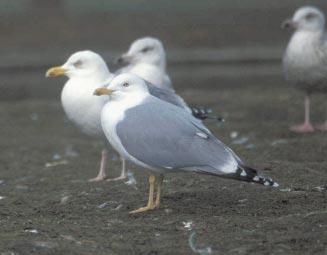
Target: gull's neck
[
  {"x": 129, "y": 101},
  {"x": 310, "y": 35},
  {"x": 161, "y": 64},
  {"x": 97, "y": 77}
]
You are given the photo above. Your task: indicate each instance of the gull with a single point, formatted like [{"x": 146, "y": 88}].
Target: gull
[
  {"x": 163, "y": 138},
  {"x": 305, "y": 59},
  {"x": 146, "y": 58},
  {"x": 85, "y": 71}
]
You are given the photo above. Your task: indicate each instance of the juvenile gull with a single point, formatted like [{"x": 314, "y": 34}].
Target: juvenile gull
[
  {"x": 305, "y": 59},
  {"x": 146, "y": 58},
  {"x": 164, "y": 138},
  {"x": 85, "y": 70}
]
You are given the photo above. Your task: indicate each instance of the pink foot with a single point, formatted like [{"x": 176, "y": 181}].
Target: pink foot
[
  {"x": 303, "y": 128},
  {"x": 122, "y": 177},
  {"x": 322, "y": 127},
  {"x": 99, "y": 178}
]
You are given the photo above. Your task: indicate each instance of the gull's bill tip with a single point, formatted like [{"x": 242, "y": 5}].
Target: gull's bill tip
[
  {"x": 103, "y": 91},
  {"x": 55, "y": 71}
]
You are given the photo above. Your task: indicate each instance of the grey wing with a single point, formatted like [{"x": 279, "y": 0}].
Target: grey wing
[
  {"x": 168, "y": 95},
  {"x": 164, "y": 136}
]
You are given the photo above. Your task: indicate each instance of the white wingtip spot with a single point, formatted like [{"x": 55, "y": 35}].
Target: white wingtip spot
[
  {"x": 243, "y": 173},
  {"x": 266, "y": 183},
  {"x": 275, "y": 184},
  {"x": 202, "y": 135},
  {"x": 256, "y": 178}
]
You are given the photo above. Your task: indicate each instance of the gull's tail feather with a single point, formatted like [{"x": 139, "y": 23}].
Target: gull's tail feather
[
  {"x": 248, "y": 174},
  {"x": 204, "y": 113}
]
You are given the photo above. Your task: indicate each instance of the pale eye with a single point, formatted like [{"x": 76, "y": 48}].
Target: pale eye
[
  {"x": 78, "y": 64},
  {"x": 126, "y": 84}
]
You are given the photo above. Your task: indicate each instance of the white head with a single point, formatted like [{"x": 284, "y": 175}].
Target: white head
[
  {"x": 81, "y": 64},
  {"x": 147, "y": 50},
  {"x": 123, "y": 86},
  {"x": 307, "y": 18}
]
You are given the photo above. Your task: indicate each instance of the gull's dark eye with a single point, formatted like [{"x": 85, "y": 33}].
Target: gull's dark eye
[
  {"x": 78, "y": 64},
  {"x": 125, "y": 84},
  {"x": 146, "y": 49},
  {"x": 310, "y": 16}
]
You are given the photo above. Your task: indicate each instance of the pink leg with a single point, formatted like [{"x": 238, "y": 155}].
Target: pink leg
[
  {"x": 306, "y": 127},
  {"x": 102, "y": 172},
  {"x": 123, "y": 171}
]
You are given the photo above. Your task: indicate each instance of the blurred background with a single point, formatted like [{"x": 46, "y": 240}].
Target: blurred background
[{"x": 208, "y": 42}]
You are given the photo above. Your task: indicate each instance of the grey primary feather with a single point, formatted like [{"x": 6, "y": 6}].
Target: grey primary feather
[
  {"x": 164, "y": 136},
  {"x": 168, "y": 95}
]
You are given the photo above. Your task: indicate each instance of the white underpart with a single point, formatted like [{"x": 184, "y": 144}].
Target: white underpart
[
  {"x": 113, "y": 113},
  {"x": 256, "y": 178},
  {"x": 305, "y": 57},
  {"x": 81, "y": 106}
]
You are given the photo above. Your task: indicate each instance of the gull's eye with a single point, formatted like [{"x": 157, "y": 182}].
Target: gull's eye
[
  {"x": 146, "y": 49},
  {"x": 78, "y": 64},
  {"x": 310, "y": 16},
  {"x": 125, "y": 84}
]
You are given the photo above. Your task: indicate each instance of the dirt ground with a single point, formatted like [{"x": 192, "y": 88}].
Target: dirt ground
[{"x": 48, "y": 207}]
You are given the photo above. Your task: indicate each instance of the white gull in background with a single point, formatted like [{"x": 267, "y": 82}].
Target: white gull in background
[
  {"x": 164, "y": 138},
  {"x": 305, "y": 59},
  {"x": 146, "y": 58},
  {"x": 85, "y": 70}
]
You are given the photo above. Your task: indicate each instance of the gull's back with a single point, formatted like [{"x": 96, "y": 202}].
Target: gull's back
[{"x": 173, "y": 139}]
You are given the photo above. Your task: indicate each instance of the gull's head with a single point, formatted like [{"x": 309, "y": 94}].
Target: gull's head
[
  {"x": 307, "y": 18},
  {"x": 80, "y": 64},
  {"x": 147, "y": 50},
  {"x": 123, "y": 85}
]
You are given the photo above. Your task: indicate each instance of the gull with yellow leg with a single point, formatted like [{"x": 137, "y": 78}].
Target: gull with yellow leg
[
  {"x": 164, "y": 138},
  {"x": 86, "y": 70}
]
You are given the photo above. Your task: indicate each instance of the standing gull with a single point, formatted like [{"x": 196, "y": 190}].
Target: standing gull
[
  {"x": 85, "y": 70},
  {"x": 164, "y": 138},
  {"x": 146, "y": 58},
  {"x": 305, "y": 59}
]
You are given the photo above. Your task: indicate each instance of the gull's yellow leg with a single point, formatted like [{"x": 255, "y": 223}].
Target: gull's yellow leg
[
  {"x": 150, "y": 205},
  {"x": 159, "y": 186}
]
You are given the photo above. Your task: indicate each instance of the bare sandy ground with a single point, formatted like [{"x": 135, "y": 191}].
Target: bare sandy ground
[{"x": 48, "y": 207}]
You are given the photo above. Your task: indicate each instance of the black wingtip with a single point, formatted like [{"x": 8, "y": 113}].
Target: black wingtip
[
  {"x": 204, "y": 113},
  {"x": 249, "y": 174}
]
